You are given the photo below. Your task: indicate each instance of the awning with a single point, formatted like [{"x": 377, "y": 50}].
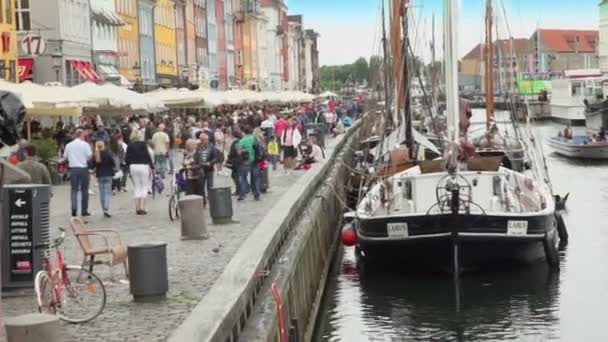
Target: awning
[
  {"x": 124, "y": 82},
  {"x": 25, "y": 68},
  {"x": 108, "y": 72},
  {"x": 106, "y": 16},
  {"x": 85, "y": 69}
]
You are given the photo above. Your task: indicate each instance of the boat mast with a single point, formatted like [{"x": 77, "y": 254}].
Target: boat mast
[
  {"x": 451, "y": 70},
  {"x": 489, "y": 64},
  {"x": 387, "y": 102},
  {"x": 433, "y": 70},
  {"x": 409, "y": 135}
]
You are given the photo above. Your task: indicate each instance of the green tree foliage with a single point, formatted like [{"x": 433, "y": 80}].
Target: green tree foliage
[{"x": 333, "y": 77}]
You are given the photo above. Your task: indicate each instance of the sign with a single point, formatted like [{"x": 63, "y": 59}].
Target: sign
[
  {"x": 397, "y": 230},
  {"x": 33, "y": 44},
  {"x": 517, "y": 227},
  {"x": 20, "y": 236}
]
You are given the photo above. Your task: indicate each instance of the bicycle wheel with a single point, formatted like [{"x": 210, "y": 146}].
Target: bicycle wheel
[
  {"x": 44, "y": 293},
  {"x": 173, "y": 207},
  {"x": 81, "y": 300}
]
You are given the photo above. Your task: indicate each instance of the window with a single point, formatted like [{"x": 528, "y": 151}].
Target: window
[
  {"x": 9, "y": 11},
  {"x": 22, "y": 14}
]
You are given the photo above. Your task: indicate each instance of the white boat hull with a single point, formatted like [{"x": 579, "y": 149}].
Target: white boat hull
[{"x": 589, "y": 151}]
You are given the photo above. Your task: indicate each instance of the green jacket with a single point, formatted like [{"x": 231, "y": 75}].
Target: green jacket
[{"x": 246, "y": 144}]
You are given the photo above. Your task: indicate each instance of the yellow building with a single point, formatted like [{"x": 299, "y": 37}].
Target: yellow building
[
  {"x": 128, "y": 39},
  {"x": 166, "y": 42},
  {"x": 9, "y": 66},
  {"x": 250, "y": 48}
]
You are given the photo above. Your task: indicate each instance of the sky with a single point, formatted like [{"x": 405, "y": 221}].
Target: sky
[{"x": 351, "y": 28}]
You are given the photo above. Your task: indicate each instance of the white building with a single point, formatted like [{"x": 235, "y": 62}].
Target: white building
[
  {"x": 295, "y": 52},
  {"x": 230, "y": 54},
  {"x": 263, "y": 79},
  {"x": 273, "y": 58},
  {"x": 104, "y": 35},
  {"x": 603, "y": 44},
  {"x": 308, "y": 46},
  {"x": 65, "y": 26}
]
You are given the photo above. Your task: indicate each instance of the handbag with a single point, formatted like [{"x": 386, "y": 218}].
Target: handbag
[
  {"x": 118, "y": 174},
  {"x": 158, "y": 184}
]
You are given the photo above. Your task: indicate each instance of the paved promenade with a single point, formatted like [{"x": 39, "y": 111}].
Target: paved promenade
[{"x": 193, "y": 265}]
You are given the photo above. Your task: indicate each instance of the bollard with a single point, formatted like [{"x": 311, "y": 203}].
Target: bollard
[
  {"x": 148, "y": 279},
  {"x": 220, "y": 205},
  {"x": 33, "y": 327},
  {"x": 194, "y": 220}
]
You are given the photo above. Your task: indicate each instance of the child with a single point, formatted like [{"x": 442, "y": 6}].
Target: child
[{"x": 273, "y": 152}]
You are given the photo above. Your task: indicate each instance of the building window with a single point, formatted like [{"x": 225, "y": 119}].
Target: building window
[
  {"x": 22, "y": 14},
  {"x": 9, "y": 11}
]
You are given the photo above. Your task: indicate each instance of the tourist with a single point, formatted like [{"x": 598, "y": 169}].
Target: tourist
[
  {"x": 316, "y": 152},
  {"x": 274, "y": 153},
  {"x": 234, "y": 159},
  {"x": 267, "y": 126},
  {"x": 249, "y": 168},
  {"x": 140, "y": 164},
  {"x": 38, "y": 172},
  {"x": 205, "y": 157},
  {"x": 192, "y": 174},
  {"x": 280, "y": 126},
  {"x": 117, "y": 151},
  {"x": 104, "y": 171},
  {"x": 568, "y": 132},
  {"x": 78, "y": 154},
  {"x": 161, "y": 143},
  {"x": 172, "y": 133},
  {"x": 290, "y": 139}
]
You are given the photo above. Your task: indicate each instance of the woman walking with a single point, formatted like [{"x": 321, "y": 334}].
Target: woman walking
[
  {"x": 104, "y": 171},
  {"x": 140, "y": 164},
  {"x": 192, "y": 173},
  {"x": 118, "y": 153}
]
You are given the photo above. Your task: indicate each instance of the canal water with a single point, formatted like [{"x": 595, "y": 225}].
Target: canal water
[{"x": 529, "y": 304}]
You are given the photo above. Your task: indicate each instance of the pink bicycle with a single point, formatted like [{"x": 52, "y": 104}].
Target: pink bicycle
[{"x": 73, "y": 293}]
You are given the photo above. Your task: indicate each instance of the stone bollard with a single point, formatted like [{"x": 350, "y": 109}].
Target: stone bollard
[
  {"x": 194, "y": 220},
  {"x": 33, "y": 327},
  {"x": 220, "y": 205}
]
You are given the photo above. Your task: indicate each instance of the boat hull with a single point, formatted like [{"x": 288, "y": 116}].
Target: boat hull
[
  {"x": 588, "y": 151},
  {"x": 597, "y": 119},
  {"x": 483, "y": 240}
]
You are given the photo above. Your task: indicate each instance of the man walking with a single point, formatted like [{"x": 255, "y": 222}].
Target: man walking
[
  {"x": 39, "y": 174},
  {"x": 249, "y": 167},
  {"x": 78, "y": 153},
  {"x": 205, "y": 157},
  {"x": 160, "y": 143}
]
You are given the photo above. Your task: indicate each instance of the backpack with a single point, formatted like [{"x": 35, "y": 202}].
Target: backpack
[{"x": 259, "y": 150}]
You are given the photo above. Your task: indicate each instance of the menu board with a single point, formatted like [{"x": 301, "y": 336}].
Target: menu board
[{"x": 20, "y": 236}]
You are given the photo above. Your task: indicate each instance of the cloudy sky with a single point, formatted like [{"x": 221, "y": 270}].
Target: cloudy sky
[{"x": 351, "y": 28}]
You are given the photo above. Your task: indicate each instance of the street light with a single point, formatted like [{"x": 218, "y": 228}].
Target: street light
[
  {"x": 57, "y": 57},
  {"x": 185, "y": 72}
]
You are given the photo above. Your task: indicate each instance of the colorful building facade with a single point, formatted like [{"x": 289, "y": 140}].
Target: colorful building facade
[
  {"x": 147, "y": 45},
  {"x": 166, "y": 42},
  {"x": 128, "y": 39},
  {"x": 8, "y": 44}
]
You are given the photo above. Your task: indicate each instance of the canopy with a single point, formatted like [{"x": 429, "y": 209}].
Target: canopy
[
  {"x": 209, "y": 98},
  {"x": 118, "y": 97},
  {"x": 328, "y": 94},
  {"x": 176, "y": 97}
]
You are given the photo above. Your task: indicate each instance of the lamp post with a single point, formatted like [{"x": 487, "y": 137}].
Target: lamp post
[
  {"x": 57, "y": 57},
  {"x": 137, "y": 71},
  {"x": 185, "y": 72}
]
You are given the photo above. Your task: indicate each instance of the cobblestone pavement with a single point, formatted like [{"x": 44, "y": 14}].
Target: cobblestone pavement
[{"x": 193, "y": 265}]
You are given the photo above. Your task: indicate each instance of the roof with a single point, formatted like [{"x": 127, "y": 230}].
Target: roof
[
  {"x": 295, "y": 18},
  {"x": 570, "y": 40},
  {"x": 520, "y": 46}
]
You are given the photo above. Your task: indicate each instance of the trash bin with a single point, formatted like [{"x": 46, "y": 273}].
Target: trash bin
[
  {"x": 148, "y": 271},
  {"x": 220, "y": 205},
  {"x": 194, "y": 219},
  {"x": 24, "y": 223}
]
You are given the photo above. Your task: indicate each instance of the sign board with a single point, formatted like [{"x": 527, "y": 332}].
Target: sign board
[
  {"x": 20, "y": 236},
  {"x": 32, "y": 44}
]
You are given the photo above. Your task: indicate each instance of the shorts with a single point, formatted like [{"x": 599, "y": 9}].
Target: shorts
[{"x": 289, "y": 152}]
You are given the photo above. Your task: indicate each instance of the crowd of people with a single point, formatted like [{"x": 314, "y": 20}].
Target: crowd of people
[{"x": 243, "y": 142}]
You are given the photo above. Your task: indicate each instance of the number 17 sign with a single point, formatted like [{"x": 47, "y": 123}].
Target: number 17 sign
[{"x": 33, "y": 44}]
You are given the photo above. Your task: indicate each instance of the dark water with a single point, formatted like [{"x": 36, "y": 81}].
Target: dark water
[{"x": 529, "y": 304}]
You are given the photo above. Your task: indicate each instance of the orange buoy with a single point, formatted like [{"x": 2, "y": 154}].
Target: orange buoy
[{"x": 349, "y": 237}]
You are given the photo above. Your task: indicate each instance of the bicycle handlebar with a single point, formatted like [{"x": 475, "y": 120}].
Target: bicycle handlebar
[{"x": 56, "y": 242}]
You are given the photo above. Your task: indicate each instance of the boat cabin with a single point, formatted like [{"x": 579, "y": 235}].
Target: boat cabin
[{"x": 568, "y": 95}]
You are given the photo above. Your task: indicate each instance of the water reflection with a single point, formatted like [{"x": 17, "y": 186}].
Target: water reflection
[{"x": 388, "y": 305}]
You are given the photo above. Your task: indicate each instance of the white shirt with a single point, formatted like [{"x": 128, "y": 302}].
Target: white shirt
[
  {"x": 160, "y": 141},
  {"x": 317, "y": 153},
  {"x": 78, "y": 153},
  {"x": 266, "y": 124}
]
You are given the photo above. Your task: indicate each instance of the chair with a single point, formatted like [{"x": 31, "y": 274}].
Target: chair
[{"x": 117, "y": 252}]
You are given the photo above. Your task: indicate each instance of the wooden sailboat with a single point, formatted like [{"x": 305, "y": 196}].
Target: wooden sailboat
[{"x": 460, "y": 211}]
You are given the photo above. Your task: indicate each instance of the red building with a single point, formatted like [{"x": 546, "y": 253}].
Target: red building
[{"x": 221, "y": 43}]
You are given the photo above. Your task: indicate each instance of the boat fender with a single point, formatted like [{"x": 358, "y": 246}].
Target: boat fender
[
  {"x": 551, "y": 253},
  {"x": 561, "y": 228},
  {"x": 349, "y": 236}
]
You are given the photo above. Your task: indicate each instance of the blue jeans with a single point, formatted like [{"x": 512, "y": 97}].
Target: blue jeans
[
  {"x": 274, "y": 159},
  {"x": 254, "y": 172},
  {"x": 160, "y": 162},
  {"x": 79, "y": 182},
  {"x": 172, "y": 160},
  {"x": 105, "y": 192}
]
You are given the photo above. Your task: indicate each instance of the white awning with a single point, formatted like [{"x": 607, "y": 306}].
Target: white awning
[
  {"x": 108, "y": 72},
  {"x": 106, "y": 16}
]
